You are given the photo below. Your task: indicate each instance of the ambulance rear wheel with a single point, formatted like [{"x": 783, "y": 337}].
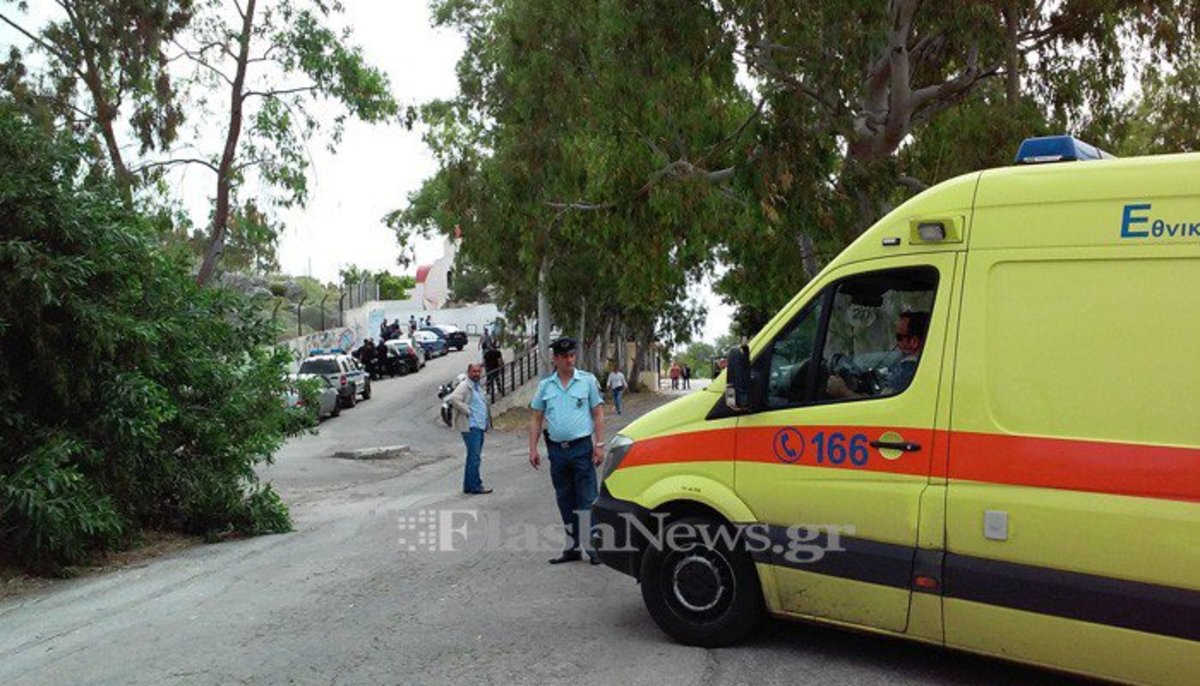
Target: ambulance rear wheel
[{"x": 704, "y": 593}]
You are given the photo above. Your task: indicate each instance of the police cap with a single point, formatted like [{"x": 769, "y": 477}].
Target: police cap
[{"x": 563, "y": 346}]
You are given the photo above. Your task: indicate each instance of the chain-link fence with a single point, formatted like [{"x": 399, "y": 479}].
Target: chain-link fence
[{"x": 318, "y": 312}]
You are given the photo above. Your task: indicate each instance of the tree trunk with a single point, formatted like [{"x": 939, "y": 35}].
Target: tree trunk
[
  {"x": 622, "y": 364},
  {"x": 106, "y": 112},
  {"x": 584, "y": 349},
  {"x": 1012, "y": 76},
  {"x": 605, "y": 338},
  {"x": 216, "y": 242},
  {"x": 543, "y": 321},
  {"x": 635, "y": 365},
  {"x": 808, "y": 255}
]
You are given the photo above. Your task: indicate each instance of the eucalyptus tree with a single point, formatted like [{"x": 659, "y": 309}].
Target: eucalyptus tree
[
  {"x": 591, "y": 150},
  {"x": 106, "y": 62},
  {"x": 276, "y": 61},
  {"x": 869, "y": 102},
  {"x": 876, "y": 73}
]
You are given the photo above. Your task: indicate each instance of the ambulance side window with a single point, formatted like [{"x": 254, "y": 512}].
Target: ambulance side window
[
  {"x": 876, "y": 331},
  {"x": 787, "y": 376},
  {"x": 860, "y": 338}
]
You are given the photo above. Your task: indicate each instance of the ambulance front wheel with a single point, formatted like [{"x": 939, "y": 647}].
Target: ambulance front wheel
[{"x": 704, "y": 592}]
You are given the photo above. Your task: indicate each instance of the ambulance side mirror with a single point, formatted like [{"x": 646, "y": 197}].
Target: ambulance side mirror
[{"x": 737, "y": 383}]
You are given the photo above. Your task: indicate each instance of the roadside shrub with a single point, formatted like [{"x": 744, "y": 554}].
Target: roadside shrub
[{"x": 129, "y": 397}]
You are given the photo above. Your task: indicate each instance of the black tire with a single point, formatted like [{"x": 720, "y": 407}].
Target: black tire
[
  {"x": 367, "y": 391},
  {"x": 352, "y": 400},
  {"x": 336, "y": 411},
  {"x": 701, "y": 595}
]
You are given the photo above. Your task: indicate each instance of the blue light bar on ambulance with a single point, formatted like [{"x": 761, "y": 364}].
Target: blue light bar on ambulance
[{"x": 1058, "y": 149}]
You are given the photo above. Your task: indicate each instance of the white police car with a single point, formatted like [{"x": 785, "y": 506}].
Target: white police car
[{"x": 343, "y": 373}]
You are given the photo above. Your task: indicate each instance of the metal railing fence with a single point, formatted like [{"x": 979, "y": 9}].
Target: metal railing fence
[{"x": 512, "y": 375}]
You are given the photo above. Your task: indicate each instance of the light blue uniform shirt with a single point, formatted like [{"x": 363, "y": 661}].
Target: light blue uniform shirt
[
  {"x": 479, "y": 410},
  {"x": 568, "y": 410}
]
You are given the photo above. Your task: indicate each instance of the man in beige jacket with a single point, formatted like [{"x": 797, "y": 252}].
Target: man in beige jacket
[{"x": 472, "y": 417}]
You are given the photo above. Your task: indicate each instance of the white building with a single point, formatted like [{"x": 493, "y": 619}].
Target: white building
[{"x": 434, "y": 280}]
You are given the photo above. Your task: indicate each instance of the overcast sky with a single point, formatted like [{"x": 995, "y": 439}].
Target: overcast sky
[{"x": 376, "y": 167}]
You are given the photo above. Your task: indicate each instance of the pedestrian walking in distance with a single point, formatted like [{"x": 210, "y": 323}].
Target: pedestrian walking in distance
[
  {"x": 675, "y": 376},
  {"x": 686, "y": 375},
  {"x": 472, "y": 418},
  {"x": 568, "y": 413},
  {"x": 616, "y": 384}
]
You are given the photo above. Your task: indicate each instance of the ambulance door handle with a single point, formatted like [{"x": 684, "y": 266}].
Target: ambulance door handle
[{"x": 897, "y": 445}]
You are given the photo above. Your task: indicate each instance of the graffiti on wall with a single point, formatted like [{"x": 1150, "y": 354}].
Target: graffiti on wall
[
  {"x": 330, "y": 338},
  {"x": 342, "y": 338}
]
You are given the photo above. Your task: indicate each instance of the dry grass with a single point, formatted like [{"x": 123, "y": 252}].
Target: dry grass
[{"x": 14, "y": 582}]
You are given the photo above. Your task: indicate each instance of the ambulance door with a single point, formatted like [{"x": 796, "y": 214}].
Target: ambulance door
[
  {"x": 837, "y": 454},
  {"x": 1073, "y": 504}
]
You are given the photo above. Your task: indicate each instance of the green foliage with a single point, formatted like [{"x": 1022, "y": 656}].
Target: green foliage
[
  {"x": 610, "y": 142},
  {"x": 469, "y": 284},
  {"x": 276, "y": 61},
  {"x": 1165, "y": 118},
  {"x": 129, "y": 397},
  {"x": 108, "y": 54},
  {"x": 393, "y": 287},
  {"x": 593, "y": 138},
  {"x": 700, "y": 356}
]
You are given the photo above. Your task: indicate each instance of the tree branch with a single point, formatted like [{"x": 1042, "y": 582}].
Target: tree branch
[
  {"x": 198, "y": 58},
  {"x": 184, "y": 52},
  {"x": 277, "y": 91},
  {"x": 63, "y": 58},
  {"x": 582, "y": 206},
  {"x": 911, "y": 183},
  {"x": 169, "y": 163},
  {"x": 266, "y": 56},
  {"x": 759, "y": 55},
  {"x": 738, "y": 133}
]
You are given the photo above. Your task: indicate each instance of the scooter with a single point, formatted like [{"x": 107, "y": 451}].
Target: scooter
[{"x": 444, "y": 392}]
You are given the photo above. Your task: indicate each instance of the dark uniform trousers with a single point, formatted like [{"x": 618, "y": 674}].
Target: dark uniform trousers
[{"x": 574, "y": 479}]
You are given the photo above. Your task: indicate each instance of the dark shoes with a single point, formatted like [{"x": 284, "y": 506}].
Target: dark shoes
[
  {"x": 574, "y": 556},
  {"x": 567, "y": 556},
  {"x": 482, "y": 491}
]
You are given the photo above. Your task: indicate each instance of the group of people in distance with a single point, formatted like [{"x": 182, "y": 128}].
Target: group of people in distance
[
  {"x": 389, "y": 331},
  {"x": 681, "y": 376}
]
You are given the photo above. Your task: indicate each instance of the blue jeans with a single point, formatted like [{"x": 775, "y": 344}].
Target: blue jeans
[
  {"x": 471, "y": 478},
  {"x": 617, "y": 393},
  {"x": 574, "y": 479}
]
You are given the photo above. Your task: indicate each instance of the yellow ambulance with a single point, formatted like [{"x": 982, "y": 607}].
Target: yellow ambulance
[{"x": 978, "y": 427}]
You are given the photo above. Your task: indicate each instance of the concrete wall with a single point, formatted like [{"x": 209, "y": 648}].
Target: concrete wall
[{"x": 470, "y": 319}]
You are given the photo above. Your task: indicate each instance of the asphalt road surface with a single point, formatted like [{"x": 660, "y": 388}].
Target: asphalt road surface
[{"x": 358, "y": 594}]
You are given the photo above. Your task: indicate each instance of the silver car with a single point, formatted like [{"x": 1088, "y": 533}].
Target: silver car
[{"x": 329, "y": 404}]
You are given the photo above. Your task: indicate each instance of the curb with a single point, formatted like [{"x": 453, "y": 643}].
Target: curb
[{"x": 390, "y": 452}]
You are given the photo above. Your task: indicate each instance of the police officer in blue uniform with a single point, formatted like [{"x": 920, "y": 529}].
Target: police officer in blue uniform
[{"x": 569, "y": 414}]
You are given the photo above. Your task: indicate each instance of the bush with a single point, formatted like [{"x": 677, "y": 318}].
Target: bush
[{"x": 129, "y": 397}]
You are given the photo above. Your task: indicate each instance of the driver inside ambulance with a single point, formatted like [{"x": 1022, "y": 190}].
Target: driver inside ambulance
[{"x": 911, "y": 329}]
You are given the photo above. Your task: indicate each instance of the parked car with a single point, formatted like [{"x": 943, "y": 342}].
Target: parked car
[
  {"x": 432, "y": 343},
  {"x": 455, "y": 337},
  {"x": 413, "y": 358},
  {"x": 343, "y": 373},
  {"x": 328, "y": 401}
]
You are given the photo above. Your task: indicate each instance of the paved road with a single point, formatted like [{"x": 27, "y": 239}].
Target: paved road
[{"x": 343, "y": 600}]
